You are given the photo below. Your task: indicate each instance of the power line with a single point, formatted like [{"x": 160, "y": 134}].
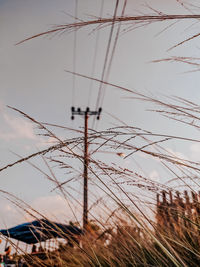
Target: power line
[
  {"x": 112, "y": 54},
  {"x": 106, "y": 57},
  {"x": 107, "y": 53},
  {"x": 103, "y": 86},
  {"x": 74, "y": 56},
  {"x": 95, "y": 54}
]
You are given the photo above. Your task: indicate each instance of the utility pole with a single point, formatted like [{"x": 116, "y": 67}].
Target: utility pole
[{"x": 86, "y": 115}]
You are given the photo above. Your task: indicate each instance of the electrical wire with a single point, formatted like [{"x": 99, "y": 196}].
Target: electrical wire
[
  {"x": 103, "y": 86},
  {"x": 74, "y": 56},
  {"x": 106, "y": 56},
  {"x": 95, "y": 54},
  {"x": 112, "y": 54}
]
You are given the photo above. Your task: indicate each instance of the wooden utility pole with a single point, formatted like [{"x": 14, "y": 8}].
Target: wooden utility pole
[
  {"x": 85, "y": 175},
  {"x": 86, "y": 115}
]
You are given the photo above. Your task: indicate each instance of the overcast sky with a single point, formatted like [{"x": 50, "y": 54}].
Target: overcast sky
[{"x": 33, "y": 79}]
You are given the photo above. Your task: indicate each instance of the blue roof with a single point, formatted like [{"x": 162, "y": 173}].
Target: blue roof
[{"x": 40, "y": 230}]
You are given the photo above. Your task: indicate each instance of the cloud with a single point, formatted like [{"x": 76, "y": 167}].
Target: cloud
[
  {"x": 56, "y": 208},
  {"x": 53, "y": 207},
  {"x": 44, "y": 142},
  {"x": 15, "y": 127},
  {"x": 20, "y": 127},
  {"x": 177, "y": 154},
  {"x": 195, "y": 151},
  {"x": 9, "y": 215},
  {"x": 154, "y": 176},
  {"x": 18, "y": 131}
]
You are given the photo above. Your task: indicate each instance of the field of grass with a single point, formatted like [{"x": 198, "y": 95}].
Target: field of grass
[
  {"x": 134, "y": 219},
  {"x": 166, "y": 235}
]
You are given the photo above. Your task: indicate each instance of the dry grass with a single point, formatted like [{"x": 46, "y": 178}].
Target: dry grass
[{"x": 127, "y": 236}]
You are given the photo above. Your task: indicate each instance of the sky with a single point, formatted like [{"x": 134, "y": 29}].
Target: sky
[{"x": 33, "y": 80}]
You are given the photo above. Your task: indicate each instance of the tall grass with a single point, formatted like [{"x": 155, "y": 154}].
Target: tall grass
[
  {"x": 132, "y": 229},
  {"x": 126, "y": 233}
]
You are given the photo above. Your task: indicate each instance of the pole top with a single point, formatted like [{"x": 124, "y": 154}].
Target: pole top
[{"x": 87, "y": 111}]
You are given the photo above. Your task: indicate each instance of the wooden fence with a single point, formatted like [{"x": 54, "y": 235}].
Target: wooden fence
[{"x": 178, "y": 213}]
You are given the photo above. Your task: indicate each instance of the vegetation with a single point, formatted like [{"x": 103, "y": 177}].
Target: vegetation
[
  {"x": 166, "y": 236},
  {"x": 131, "y": 230}
]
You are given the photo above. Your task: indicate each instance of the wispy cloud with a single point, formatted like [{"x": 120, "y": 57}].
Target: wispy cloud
[
  {"x": 10, "y": 216},
  {"x": 56, "y": 207},
  {"x": 18, "y": 128},
  {"x": 154, "y": 176},
  {"x": 195, "y": 151},
  {"x": 177, "y": 154},
  {"x": 14, "y": 127}
]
